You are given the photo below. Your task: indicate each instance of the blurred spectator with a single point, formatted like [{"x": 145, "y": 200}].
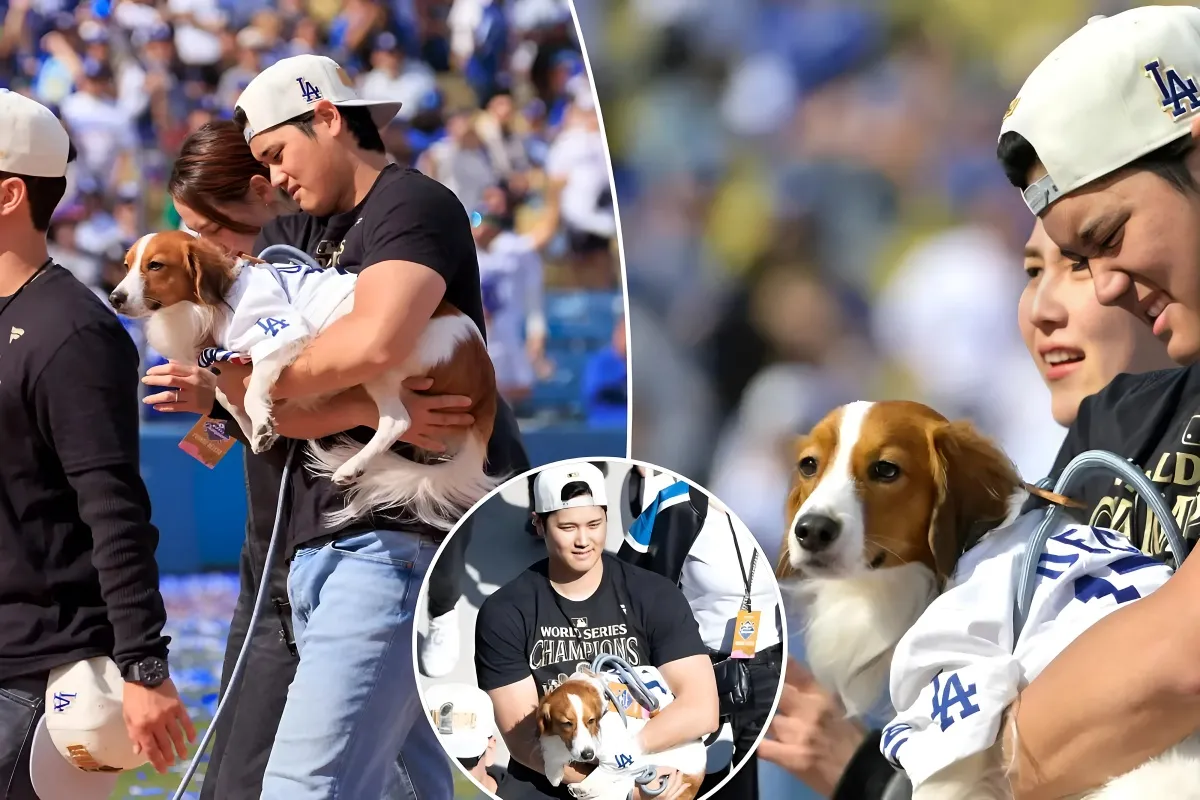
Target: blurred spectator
[
  {"x": 606, "y": 382},
  {"x": 577, "y": 169},
  {"x": 460, "y": 160},
  {"x": 511, "y": 280},
  {"x": 393, "y": 75}
]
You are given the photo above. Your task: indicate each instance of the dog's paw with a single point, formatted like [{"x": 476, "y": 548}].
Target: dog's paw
[
  {"x": 348, "y": 473},
  {"x": 263, "y": 436}
]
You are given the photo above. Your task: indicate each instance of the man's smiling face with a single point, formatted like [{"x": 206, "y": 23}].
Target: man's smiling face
[
  {"x": 1140, "y": 237},
  {"x": 307, "y": 167}
]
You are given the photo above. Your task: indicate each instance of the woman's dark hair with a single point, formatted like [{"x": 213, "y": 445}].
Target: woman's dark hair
[
  {"x": 570, "y": 492},
  {"x": 1168, "y": 162},
  {"x": 358, "y": 120},
  {"x": 214, "y": 167},
  {"x": 44, "y": 193}
]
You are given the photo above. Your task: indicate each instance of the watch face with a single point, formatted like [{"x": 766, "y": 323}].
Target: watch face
[{"x": 153, "y": 671}]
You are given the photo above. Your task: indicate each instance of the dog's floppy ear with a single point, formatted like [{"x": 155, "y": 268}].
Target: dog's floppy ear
[
  {"x": 975, "y": 481},
  {"x": 543, "y": 718},
  {"x": 211, "y": 270},
  {"x": 800, "y": 491}
]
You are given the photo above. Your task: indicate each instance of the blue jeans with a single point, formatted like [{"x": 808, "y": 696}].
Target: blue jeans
[{"x": 353, "y": 705}]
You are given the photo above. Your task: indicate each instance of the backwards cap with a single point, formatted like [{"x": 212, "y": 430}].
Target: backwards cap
[{"x": 1117, "y": 89}]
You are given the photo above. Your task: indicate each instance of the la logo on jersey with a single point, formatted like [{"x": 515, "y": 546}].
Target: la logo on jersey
[
  {"x": 1174, "y": 89},
  {"x": 311, "y": 93}
]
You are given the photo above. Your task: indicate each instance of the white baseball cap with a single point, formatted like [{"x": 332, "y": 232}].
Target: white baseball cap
[
  {"x": 290, "y": 87},
  {"x": 32, "y": 140},
  {"x": 1117, "y": 89},
  {"x": 463, "y": 717},
  {"x": 81, "y": 744},
  {"x": 549, "y": 484}
]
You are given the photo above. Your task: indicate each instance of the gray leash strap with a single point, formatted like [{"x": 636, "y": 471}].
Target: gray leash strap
[
  {"x": 294, "y": 254},
  {"x": 1082, "y": 464}
]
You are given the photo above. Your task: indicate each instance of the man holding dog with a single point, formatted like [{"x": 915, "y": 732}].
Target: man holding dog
[
  {"x": 81, "y": 617},
  {"x": 353, "y": 704},
  {"x": 1101, "y": 139},
  {"x": 1102, "y": 142},
  {"x": 536, "y": 630}
]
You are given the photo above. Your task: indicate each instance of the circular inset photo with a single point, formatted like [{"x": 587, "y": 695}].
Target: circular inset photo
[{"x": 601, "y": 629}]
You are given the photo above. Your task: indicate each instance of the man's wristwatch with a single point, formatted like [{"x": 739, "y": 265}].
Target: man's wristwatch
[{"x": 149, "y": 672}]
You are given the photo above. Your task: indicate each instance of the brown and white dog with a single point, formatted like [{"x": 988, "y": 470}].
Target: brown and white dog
[
  {"x": 578, "y": 724},
  {"x": 195, "y": 296},
  {"x": 885, "y": 497}
]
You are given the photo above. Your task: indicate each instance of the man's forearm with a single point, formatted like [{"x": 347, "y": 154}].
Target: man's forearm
[
  {"x": 113, "y": 504},
  {"x": 348, "y": 410},
  {"x": 345, "y": 354},
  {"x": 1120, "y": 694},
  {"x": 682, "y": 721}
]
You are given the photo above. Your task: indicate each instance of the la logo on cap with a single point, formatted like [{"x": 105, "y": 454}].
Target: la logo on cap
[
  {"x": 1173, "y": 89},
  {"x": 311, "y": 93}
]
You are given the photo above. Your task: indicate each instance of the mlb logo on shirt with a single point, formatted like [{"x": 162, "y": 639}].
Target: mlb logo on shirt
[
  {"x": 579, "y": 622},
  {"x": 311, "y": 93},
  {"x": 1191, "y": 434}
]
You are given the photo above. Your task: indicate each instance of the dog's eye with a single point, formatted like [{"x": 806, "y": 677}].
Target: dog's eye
[
  {"x": 591, "y": 721},
  {"x": 884, "y": 471},
  {"x": 155, "y": 266},
  {"x": 808, "y": 466}
]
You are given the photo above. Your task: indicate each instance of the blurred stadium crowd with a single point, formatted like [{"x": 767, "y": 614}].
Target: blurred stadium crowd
[
  {"x": 497, "y": 105},
  {"x": 812, "y": 213}
]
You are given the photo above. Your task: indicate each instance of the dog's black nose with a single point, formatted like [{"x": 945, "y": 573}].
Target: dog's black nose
[
  {"x": 588, "y": 754},
  {"x": 117, "y": 298},
  {"x": 815, "y": 532}
]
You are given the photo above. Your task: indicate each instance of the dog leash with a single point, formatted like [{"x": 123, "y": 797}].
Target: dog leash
[{"x": 1091, "y": 461}]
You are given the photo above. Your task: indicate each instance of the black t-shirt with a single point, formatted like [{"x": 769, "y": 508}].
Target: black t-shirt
[
  {"x": 406, "y": 216},
  {"x": 526, "y": 628},
  {"x": 1152, "y": 419},
  {"x": 77, "y": 571}
]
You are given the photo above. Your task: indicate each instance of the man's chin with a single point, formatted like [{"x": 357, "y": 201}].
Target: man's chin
[{"x": 1182, "y": 347}]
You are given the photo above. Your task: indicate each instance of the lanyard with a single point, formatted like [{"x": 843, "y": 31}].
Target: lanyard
[
  {"x": 742, "y": 565},
  {"x": 9, "y": 301}
]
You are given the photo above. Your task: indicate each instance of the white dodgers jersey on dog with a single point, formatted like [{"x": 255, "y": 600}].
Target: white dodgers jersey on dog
[
  {"x": 275, "y": 304},
  {"x": 960, "y": 666}
]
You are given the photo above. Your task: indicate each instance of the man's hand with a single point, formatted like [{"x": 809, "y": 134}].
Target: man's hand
[
  {"x": 436, "y": 418},
  {"x": 810, "y": 736},
  {"x": 157, "y": 720},
  {"x": 673, "y": 790},
  {"x": 189, "y": 388}
]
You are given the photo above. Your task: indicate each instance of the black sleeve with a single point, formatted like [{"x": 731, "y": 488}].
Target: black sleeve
[
  {"x": 868, "y": 773},
  {"x": 87, "y": 399},
  {"x": 500, "y": 635},
  {"x": 667, "y": 619},
  {"x": 421, "y": 221},
  {"x": 673, "y": 531}
]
